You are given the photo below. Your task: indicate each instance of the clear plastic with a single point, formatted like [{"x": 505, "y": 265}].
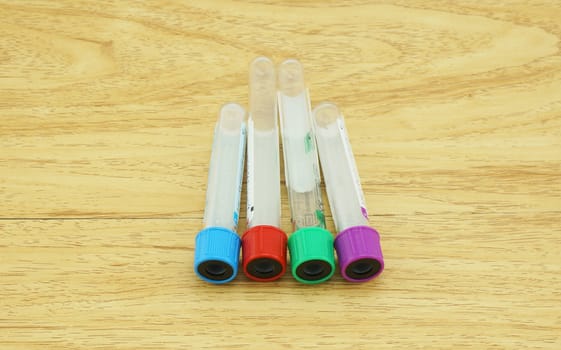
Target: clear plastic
[
  {"x": 263, "y": 169},
  {"x": 226, "y": 169},
  {"x": 300, "y": 155},
  {"x": 340, "y": 174}
]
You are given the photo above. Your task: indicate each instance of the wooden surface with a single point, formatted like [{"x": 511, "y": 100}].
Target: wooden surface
[{"x": 107, "y": 110}]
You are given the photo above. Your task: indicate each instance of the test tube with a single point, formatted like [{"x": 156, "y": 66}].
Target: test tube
[
  {"x": 264, "y": 243},
  {"x": 217, "y": 246},
  {"x": 311, "y": 245},
  {"x": 357, "y": 245}
]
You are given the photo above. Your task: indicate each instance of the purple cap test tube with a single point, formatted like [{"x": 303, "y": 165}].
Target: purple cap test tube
[{"x": 357, "y": 244}]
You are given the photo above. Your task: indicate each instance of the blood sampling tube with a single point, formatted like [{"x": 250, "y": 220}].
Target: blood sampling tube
[
  {"x": 264, "y": 243},
  {"x": 217, "y": 246},
  {"x": 311, "y": 245},
  {"x": 357, "y": 245}
]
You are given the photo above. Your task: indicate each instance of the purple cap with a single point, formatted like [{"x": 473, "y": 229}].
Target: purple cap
[{"x": 360, "y": 254}]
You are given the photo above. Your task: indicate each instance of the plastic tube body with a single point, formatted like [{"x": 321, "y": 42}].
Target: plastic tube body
[
  {"x": 358, "y": 245},
  {"x": 344, "y": 191},
  {"x": 263, "y": 168},
  {"x": 300, "y": 155},
  {"x": 226, "y": 169}
]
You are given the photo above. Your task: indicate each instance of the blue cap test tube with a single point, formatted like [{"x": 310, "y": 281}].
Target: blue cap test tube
[{"x": 217, "y": 246}]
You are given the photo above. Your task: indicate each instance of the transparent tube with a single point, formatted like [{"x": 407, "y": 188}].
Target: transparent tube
[
  {"x": 226, "y": 169},
  {"x": 263, "y": 169},
  {"x": 346, "y": 198},
  {"x": 300, "y": 156}
]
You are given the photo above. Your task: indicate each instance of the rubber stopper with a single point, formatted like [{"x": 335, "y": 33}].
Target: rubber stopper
[
  {"x": 311, "y": 255},
  {"x": 264, "y": 253},
  {"x": 217, "y": 253},
  {"x": 360, "y": 253}
]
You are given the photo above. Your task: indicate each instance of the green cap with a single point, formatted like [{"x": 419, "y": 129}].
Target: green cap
[{"x": 312, "y": 255}]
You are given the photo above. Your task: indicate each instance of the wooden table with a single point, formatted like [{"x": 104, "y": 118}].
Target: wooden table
[{"x": 107, "y": 111}]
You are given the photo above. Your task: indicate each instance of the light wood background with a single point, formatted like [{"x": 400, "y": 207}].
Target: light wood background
[{"x": 107, "y": 111}]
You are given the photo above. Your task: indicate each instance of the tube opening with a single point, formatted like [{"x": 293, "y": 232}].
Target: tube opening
[
  {"x": 363, "y": 269},
  {"x": 264, "y": 268},
  {"x": 313, "y": 270},
  {"x": 215, "y": 270}
]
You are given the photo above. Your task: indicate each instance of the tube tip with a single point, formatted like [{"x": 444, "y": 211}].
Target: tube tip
[
  {"x": 325, "y": 114},
  {"x": 261, "y": 67},
  {"x": 291, "y": 77},
  {"x": 232, "y": 116},
  {"x": 262, "y": 93}
]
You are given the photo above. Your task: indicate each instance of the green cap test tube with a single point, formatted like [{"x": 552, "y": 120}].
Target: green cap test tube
[{"x": 311, "y": 245}]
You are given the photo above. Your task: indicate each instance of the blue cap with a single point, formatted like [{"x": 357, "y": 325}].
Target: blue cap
[{"x": 217, "y": 253}]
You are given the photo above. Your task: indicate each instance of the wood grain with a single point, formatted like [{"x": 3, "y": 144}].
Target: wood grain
[
  {"x": 107, "y": 110},
  {"x": 129, "y": 284}
]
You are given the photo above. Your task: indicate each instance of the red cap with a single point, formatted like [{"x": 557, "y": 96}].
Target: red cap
[{"x": 264, "y": 253}]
